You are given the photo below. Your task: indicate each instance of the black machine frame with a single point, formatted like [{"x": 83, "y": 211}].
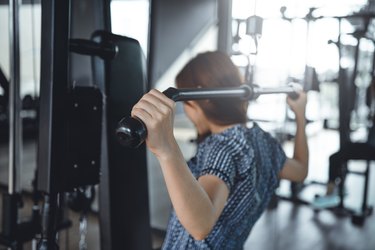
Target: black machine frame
[{"x": 122, "y": 225}]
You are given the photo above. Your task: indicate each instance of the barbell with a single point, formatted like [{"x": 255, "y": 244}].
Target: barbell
[{"x": 132, "y": 132}]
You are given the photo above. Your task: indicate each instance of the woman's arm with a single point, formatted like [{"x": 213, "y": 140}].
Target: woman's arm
[
  {"x": 198, "y": 203},
  {"x": 296, "y": 169}
]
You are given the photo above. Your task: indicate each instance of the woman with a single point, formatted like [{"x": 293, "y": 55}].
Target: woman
[{"x": 221, "y": 192}]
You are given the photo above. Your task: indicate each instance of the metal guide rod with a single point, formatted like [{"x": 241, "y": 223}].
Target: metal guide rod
[
  {"x": 278, "y": 90},
  {"x": 15, "y": 123}
]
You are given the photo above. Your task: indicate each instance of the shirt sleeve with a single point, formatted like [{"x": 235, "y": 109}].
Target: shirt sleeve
[
  {"x": 275, "y": 150},
  {"x": 218, "y": 161}
]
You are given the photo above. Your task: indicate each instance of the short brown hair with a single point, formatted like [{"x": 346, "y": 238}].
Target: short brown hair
[{"x": 212, "y": 70}]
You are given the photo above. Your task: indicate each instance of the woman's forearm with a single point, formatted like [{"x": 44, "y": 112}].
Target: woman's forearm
[
  {"x": 190, "y": 201},
  {"x": 301, "y": 152}
]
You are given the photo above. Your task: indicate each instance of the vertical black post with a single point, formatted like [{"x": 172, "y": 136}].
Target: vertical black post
[
  {"x": 352, "y": 86},
  {"x": 225, "y": 26},
  {"x": 342, "y": 184},
  {"x": 15, "y": 123},
  {"x": 48, "y": 239},
  {"x": 365, "y": 187},
  {"x": 344, "y": 117},
  {"x": 53, "y": 98},
  {"x": 53, "y": 91},
  {"x": 10, "y": 200},
  {"x": 343, "y": 90}
]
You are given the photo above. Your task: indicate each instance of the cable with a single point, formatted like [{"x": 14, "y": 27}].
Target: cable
[{"x": 255, "y": 7}]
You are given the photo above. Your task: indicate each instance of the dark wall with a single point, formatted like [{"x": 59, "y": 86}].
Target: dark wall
[{"x": 174, "y": 26}]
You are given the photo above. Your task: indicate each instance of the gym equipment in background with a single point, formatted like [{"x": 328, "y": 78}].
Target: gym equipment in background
[{"x": 14, "y": 232}]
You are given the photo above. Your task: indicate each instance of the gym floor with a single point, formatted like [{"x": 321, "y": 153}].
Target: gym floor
[{"x": 288, "y": 226}]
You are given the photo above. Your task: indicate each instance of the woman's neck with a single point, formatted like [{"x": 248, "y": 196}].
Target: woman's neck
[{"x": 216, "y": 129}]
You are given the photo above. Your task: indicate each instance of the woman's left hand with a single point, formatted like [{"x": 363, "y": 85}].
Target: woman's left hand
[
  {"x": 157, "y": 113},
  {"x": 298, "y": 105}
]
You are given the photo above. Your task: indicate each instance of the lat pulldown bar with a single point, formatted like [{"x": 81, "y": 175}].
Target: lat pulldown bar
[{"x": 132, "y": 132}]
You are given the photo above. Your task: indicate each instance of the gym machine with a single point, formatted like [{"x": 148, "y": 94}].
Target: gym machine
[
  {"x": 78, "y": 147},
  {"x": 346, "y": 88},
  {"x": 131, "y": 132},
  {"x": 254, "y": 28},
  {"x": 14, "y": 232},
  {"x": 347, "y": 85}
]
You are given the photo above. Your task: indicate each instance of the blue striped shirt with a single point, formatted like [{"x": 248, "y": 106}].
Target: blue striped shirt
[{"x": 248, "y": 160}]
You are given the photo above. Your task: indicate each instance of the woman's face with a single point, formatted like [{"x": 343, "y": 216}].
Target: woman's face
[{"x": 196, "y": 115}]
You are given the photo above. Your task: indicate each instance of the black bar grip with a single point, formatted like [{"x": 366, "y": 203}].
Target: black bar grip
[{"x": 131, "y": 132}]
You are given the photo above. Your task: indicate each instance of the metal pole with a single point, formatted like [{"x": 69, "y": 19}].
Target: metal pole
[
  {"x": 224, "y": 41},
  {"x": 244, "y": 92},
  {"x": 15, "y": 123}
]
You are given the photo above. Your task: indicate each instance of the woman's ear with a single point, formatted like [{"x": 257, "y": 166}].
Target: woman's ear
[{"x": 193, "y": 104}]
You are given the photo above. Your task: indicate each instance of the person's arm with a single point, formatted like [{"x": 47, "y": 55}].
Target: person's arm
[
  {"x": 296, "y": 168},
  {"x": 197, "y": 203}
]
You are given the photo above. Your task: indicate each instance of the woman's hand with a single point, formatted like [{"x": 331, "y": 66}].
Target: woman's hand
[
  {"x": 157, "y": 113},
  {"x": 298, "y": 105}
]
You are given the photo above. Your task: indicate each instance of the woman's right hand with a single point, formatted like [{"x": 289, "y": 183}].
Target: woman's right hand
[{"x": 157, "y": 112}]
